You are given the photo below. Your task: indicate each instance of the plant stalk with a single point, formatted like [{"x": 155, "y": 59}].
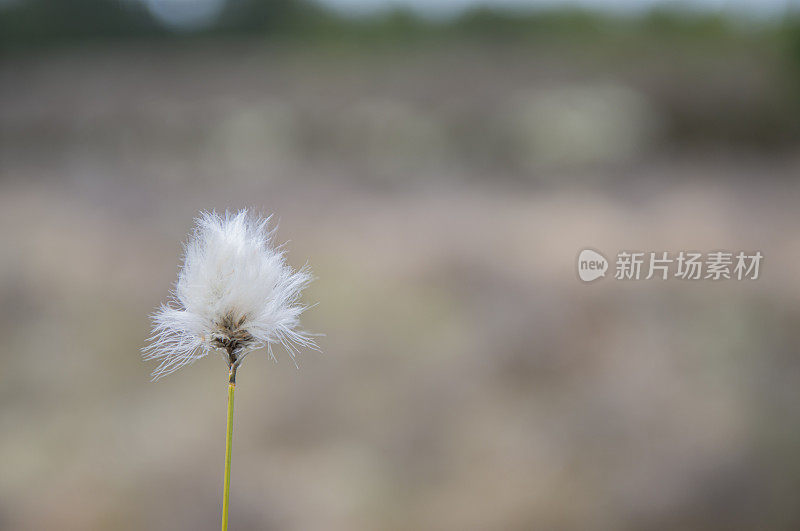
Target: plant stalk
[{"x": 226, "y": 491}]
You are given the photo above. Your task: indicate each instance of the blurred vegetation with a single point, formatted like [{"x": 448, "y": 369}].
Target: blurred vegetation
[
  {"x": 50, "y": 22},
  {"x": 25, "y": 23},
  {"x": 760, "y": 108},
  {"x": 440, "y": 176}
]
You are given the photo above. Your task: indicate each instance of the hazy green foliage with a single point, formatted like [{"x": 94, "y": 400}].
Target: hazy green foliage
[{"x": 49, "y": 22}]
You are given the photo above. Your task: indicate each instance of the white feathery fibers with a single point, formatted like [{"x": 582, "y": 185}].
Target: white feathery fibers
[{"x": 235, "y": 292}]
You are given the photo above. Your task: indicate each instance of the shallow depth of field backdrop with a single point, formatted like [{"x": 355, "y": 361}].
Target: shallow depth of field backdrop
[{"x": 440, "y": 170}]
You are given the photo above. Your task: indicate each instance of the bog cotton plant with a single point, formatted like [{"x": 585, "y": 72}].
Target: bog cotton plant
[{"x": 235, "y": 294}]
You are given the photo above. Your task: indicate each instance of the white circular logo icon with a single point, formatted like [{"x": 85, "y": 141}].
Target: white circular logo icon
[{"x": 591, "y": 265}]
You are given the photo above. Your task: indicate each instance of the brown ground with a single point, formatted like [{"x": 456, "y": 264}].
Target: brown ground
[{"x": 469, "y": 380}]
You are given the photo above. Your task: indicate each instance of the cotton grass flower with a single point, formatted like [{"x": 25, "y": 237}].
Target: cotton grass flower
[{"x": 235, "y": 293}]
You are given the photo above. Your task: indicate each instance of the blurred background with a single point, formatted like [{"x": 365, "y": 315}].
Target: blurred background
[{"x": 439, "y": 163}]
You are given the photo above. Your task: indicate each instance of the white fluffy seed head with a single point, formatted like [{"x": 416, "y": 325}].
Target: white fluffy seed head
[{"x": 235, "y": 292}]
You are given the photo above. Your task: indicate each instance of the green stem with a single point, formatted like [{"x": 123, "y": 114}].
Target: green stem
[{"x": 228, "y": 440}]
